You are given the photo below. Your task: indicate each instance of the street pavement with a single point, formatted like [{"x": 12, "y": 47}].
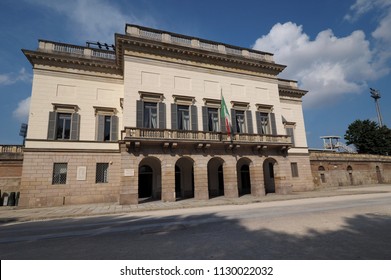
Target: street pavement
[{"x": 17, "y": 214}]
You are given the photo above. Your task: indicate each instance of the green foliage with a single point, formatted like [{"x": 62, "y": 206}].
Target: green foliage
[{"x": 369, "y": 138}]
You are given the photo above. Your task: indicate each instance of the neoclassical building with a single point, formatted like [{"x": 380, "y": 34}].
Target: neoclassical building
[{"x": 145, "y": 121}]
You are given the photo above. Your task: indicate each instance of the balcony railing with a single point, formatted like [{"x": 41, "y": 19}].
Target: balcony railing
[
  {"x": 132, "y": 133},
  {"x": 11, "y": 148}
]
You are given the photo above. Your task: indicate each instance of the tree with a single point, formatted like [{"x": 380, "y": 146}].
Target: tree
[{"x": 369, "y": 138}]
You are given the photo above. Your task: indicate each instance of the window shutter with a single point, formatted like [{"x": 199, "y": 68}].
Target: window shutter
[
  {"x": 139, "y": 113},
  {"x": 272, "y": 117},
  {"x": 174, "y": 116},
  {"x": 259, "y": 125},
  {"x": 52, "y": 125},
  {"x": 233, "y": 121},
  {"x": 249, "y": 120},
  {"x": 194, "y": 118},
  {"x": 223, "y": 128},
  {"x": 114, "y": 128},
  {"x": 75, "y": 125},
  {"x": 162, "y": 115},
  {"x": 205, "y": 122},
  {"x": 290, "y": 132},
  {"x": 100, "y": 120}
]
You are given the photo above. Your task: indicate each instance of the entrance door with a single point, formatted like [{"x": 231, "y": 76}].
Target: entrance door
[
  {"x": 178, "y": 191},
  {"x": 145, "y": 181},
  {"x": 221, "y": 179}
]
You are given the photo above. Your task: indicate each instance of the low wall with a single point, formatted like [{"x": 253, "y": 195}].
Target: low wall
[{"x": 330, "y": 169}]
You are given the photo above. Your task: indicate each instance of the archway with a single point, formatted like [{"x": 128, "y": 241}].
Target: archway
[
  {"x": 243, "y": 176},
  {"x": 269, "y": 175},
  {"x": 184, "y": 178},
  {"x": 215, "y": 177},
  {"x": 149, "y": 179}
]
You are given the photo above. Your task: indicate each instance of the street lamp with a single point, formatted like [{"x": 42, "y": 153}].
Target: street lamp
[{"x": 375, "y": 94}]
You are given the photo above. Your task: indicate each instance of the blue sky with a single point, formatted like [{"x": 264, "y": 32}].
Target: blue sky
[{"x": 335, "y": 49}]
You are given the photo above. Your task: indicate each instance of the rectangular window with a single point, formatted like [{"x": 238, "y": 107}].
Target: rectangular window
[
  {"x": 102, "y": 170},
  {"x": 150, "y": 115},
  {"x": 290, "y": 132},
  {"x": 264, "y": 123},
  {"x": 183, "y": 118},
  {"x": 63, "y": 129},
  {"x": 213, "y": 120},
  {"x": 59, "y": 173},
  {"x": 295, "y": 169},
  {"x": 240, "y": 122}
]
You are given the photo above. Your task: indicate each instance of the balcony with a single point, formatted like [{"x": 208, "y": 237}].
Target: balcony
[{"x": 202, "y": 139}]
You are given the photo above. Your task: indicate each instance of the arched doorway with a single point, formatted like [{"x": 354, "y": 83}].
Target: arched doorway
[
  {"x": 269, "y": 175},
  {"x": 243, "y": 176},
  {"x": 184, "y": 178},
  {"x": 215, "y": 177},
  {"x": 149, "y": 179}
]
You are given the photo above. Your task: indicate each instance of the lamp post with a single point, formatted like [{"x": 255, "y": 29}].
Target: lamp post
[{"x": 375, "y": 94}]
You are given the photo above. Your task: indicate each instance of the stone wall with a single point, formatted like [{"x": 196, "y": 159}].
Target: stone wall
[
  {"x": 10, "y": 174},
  {"x": 38, "y": 190},
  {"x": 331, "y": 169}
]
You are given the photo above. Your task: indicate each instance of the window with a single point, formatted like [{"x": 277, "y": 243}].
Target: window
[
  {"x": 290, "y": 131},
  {"x": 107, "y": 127},
  {"x": 183, "y": 118},
  {"x": 264, "y": 123},
  {"x": 295, "y": 169},
  {"x": 63, "y": 126},
  {"x": 63, "y": 123},
  {"x": 213, "y": 120},
  {"x": 150, "y": 115},
  {"x": 102, "y": 170},
  {"x": 59, "y": 173},
  {"x": 240, "y": 122}
]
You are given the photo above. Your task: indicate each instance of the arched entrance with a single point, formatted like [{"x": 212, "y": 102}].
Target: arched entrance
[
  {"x": 269, "y": 166},
  {"x": 184, "y": 178},
  {"x": 149, "y": 179},
  {"x": 215, "y": 177},
  {"x": 243, "y": 176}
]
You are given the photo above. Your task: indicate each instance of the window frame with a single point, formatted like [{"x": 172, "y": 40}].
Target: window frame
[
  {"x": 59, "y": 174},
  {"x": 295, "y": 169},
  {"x": 102, "y": 173}
]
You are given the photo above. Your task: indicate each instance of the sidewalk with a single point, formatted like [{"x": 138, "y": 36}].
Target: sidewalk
[{"x": 15, "y": 214}]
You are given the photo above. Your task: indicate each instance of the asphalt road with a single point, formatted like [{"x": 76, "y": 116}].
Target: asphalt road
[{"x": 344, "y": 227}]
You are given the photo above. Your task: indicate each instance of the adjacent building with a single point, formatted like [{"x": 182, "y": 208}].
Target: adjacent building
[{"x": 146, "y": 119}]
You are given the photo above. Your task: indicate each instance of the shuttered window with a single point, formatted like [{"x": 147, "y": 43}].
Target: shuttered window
[
  {"x": 63, "y": 126},
  {"x": 107, "y": 128},
  {"x": 150, "y": 114}
]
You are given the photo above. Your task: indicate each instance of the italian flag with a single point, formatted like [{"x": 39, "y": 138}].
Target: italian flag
[{"x": 224, "y": 113}]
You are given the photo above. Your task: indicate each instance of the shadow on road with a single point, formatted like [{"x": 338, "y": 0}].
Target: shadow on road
[{"x": 191, "y": 237}]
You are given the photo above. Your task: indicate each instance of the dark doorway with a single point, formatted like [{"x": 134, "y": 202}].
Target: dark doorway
[
  {"x": 245, "y": 179},
  {"x": 221, "y": 180},
  {"x": 268, "y": 175},
  {"x": 145, "y": 181},
  {"x": 178, "y": 193}
]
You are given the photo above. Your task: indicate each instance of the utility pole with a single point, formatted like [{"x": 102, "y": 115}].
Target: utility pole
[{"x": 375, "y": 94}]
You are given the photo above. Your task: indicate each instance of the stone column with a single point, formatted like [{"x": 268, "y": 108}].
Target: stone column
[
  {"x": 257, "y": 179},
  {"x": 201, "y": 180},
  {"x": 168, "y": 181},
  {"x": 230, "y": 178},
  {"x": 129, "y": 178}
]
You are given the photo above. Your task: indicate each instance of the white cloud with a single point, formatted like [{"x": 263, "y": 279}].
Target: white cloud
[
  {"x": 327, "y": 66},
  {"x": 361, "y": 7},
  {"x": 22, "y": 111},
  {"x": 93, "y": 19},
  {"x": 12, "y": 78}
]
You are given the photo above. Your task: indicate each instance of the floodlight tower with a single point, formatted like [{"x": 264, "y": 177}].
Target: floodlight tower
[{"x": 375, "y": 94}]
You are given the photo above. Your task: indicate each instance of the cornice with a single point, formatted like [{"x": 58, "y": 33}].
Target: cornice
[
  {"x": 179, "y": 52},
  {"x": 291, "y": 92},
  {"x": 65, "y": 60}
]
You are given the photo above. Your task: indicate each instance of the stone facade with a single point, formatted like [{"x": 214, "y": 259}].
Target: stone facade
[
  {"x": 330, "y": 169},
  {"x": 149, "y": 116},
  {"x": 11, "y": 163}
]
